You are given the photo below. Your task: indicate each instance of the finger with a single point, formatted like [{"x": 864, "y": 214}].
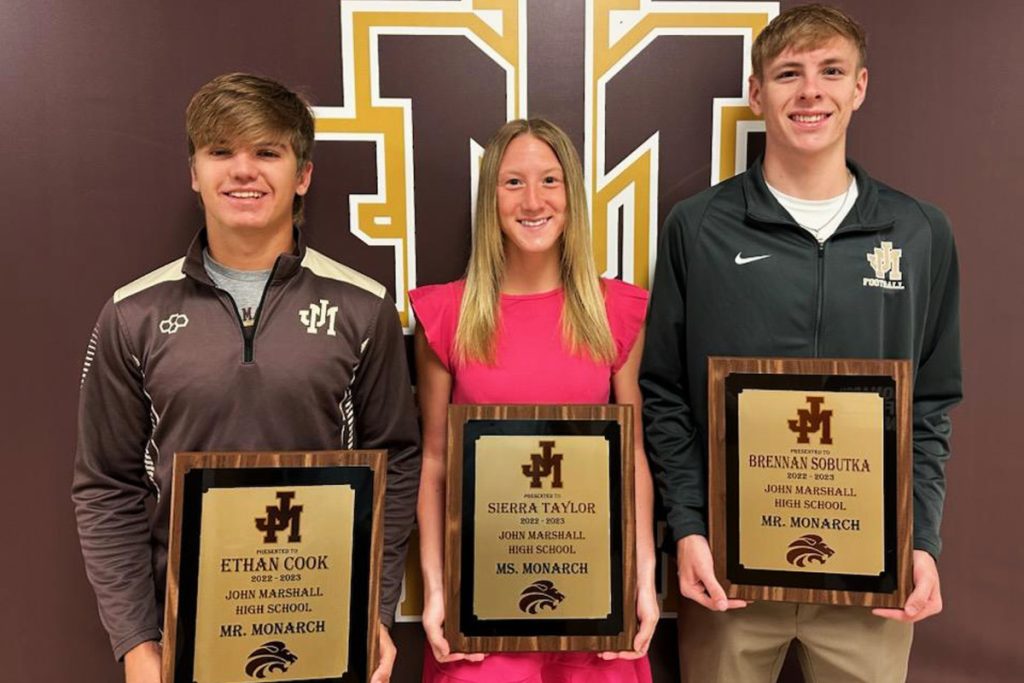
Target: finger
[
  {"x": 924, "y": 600},
  {"x": 717, "y": 596},
  {"x": 453, "y": 657},
  {"x": 474, "y": 656},
  {"x": 450, "y": 657},
  {"x": 894, "y": 614},
  {"x": 435, "y": 636},
  {"x": 382, "y": 674},
  {"x": 642, "y": 641},
  {"x": 696, "y": 593},
  {"x": 919, "y": 599},
  {"x": 630, "y": 655}
]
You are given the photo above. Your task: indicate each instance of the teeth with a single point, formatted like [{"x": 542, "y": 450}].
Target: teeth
[
  {"x": 533, "y": 223},
  {"x": 808, "y": 118},
  {"x": 246, "y": 195}
]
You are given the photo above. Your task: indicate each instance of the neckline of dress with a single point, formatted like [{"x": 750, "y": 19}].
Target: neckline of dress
[{"x": 532, "y": 295}]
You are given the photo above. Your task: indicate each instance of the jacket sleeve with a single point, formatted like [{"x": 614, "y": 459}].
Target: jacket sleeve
[
  {"x": 386, "y": 418},
  {"x": 937, "y": 386},
  {"x": 110, "y": 487},
  {"x": 671, "y": 433}
]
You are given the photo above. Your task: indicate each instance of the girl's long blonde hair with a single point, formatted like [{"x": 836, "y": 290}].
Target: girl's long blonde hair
[{"x": 584, "y": 320}]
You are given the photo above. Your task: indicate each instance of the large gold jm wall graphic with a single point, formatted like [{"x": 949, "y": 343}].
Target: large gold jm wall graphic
[
  {"x": 617, "y": 31},
  {"x": 623, "y": 199}
]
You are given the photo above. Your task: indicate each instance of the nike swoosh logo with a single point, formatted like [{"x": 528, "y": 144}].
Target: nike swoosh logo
[{"x": 742, "y": 260}]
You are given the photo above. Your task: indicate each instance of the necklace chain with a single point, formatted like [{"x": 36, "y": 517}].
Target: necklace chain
[{"x": 846, "y": 196}]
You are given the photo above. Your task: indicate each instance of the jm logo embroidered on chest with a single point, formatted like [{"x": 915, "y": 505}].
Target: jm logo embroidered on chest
[
  {"x": 318, "y": 316},
  {"x": 885, "y": 261}
]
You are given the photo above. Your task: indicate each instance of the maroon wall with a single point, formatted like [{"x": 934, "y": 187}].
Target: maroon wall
[{"x": 94, "y": 179}]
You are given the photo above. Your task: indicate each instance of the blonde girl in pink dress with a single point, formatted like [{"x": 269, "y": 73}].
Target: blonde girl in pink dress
[{"x": 531, "y": 323}]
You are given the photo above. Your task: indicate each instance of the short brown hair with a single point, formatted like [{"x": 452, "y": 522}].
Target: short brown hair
[
  {"x": 241, "y": 106},
  {"x": 806, "y": 27}
]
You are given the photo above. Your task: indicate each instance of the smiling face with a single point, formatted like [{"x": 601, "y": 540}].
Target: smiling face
[
  {"x": 249, "y": 186},
  {"x": 807, "y": 99},
  {"x": 531, "y": 196}
]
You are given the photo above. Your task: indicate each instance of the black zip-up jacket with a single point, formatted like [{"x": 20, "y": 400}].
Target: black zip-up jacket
[
  {"x": 712, "y": 297},
  {"x": 170, "y": 368}
]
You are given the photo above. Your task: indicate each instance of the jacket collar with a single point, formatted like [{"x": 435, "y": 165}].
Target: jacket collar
[
  {"x": 285, "y": 266},
  {"x": 866, "y": 214}
]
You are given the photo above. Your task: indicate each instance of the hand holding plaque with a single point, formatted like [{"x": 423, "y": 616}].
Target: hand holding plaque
[
  {"x": 265, "y": 576},
  {"x": 809, "y": 479},
  {"x": 540, "y": 531}
]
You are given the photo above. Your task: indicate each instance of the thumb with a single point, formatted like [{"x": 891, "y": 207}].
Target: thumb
[
  {"x": 718, "y": 598},
  {"x": 918, "y": 599}
]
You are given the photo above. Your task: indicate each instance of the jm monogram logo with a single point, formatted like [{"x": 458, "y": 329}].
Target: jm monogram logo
[
  {"x": 281, "y": 517},
  {"x": 317, "y": 316},
  {"x": 812, "y": 420},
  {"x": 544, "y": 464},
  {"x": 886, "y": 260}
]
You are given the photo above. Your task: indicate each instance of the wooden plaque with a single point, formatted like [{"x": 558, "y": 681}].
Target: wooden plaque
[
  {"x": 810, "y": 475},
  {"x": 540, "y": 548},
  {"x": 274, "y": 567}
]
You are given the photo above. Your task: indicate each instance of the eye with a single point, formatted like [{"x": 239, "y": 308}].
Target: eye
[
  {"x": 512, "y": 183},
  {"x": 268, "y": 153},
  {"x": 786, "y": 75},
  {"x": 552, "y": 180},
  {"x": 833, "y": 71},
  {"x": 219, "y": 152}
]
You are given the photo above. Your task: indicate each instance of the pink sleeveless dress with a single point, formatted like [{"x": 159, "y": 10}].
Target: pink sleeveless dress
[{"x": 532, "y": 366}]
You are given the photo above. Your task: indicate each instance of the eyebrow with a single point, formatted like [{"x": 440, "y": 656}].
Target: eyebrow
[
  {"x": 799, "y": 65},
  {"x": 242, "y": 143},
  {"x": 547, "y": 171}
]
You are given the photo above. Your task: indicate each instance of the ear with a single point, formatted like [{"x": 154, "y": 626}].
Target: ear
[
  {"x": 754, "y": 96},
  {"x": 860, "y": 88},
  {"x": 305, "y": 178},
  {"x": 192, "y": 173}
]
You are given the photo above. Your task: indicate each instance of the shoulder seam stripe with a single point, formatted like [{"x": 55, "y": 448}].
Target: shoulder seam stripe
[
  {"x": 168, "y": 273},
  {"x": 324, "y": 266}
]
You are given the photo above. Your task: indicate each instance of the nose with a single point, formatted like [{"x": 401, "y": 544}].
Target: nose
[
  {"x": 243, "y": 166},
  {"x": 810, "y": 88},
  {"x": 532, "y": 200}
]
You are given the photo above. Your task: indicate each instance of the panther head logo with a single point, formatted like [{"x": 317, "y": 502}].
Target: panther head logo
[
  {"x": 269, "y": 657},
  {"x": 809, "y": 548},
  {"x": 539, "y": 594}
]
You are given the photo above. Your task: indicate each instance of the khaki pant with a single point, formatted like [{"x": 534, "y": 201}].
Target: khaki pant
[{"x": 836, "y": 644}]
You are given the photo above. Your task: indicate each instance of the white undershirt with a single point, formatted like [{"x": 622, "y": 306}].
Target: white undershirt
[{"x": 820, "y": 217}]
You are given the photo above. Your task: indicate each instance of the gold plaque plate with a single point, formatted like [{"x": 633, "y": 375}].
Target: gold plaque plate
[
  {"x": 789, "y": 492},
  {"x": 253, "y": 591},
  {"x": 551, "y": 527},
  {"x": 274, "y": 567},
  {"x": 540, "y": 545},
  {"x": 809, "y": 479}
]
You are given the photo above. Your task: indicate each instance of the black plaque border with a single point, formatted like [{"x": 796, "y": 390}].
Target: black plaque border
[
  {"x": 469, "y": 624},
  {"x": 881, "y": 385},
  {"x": 198, "y": 481}
]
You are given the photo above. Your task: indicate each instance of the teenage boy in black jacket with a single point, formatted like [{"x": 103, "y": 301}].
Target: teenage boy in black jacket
[{"x": 802, "y": 255}]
